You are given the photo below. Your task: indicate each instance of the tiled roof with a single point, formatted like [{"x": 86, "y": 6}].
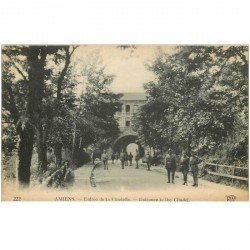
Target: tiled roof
[{"x": 129, "y": 96}]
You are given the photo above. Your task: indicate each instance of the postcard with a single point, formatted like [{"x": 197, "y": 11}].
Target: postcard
[{"x": 125, "y": 123}]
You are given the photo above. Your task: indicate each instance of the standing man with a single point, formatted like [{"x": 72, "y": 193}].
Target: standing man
[
  {"x": 194, "y": 161},
  {"x": 113, "y": 157},
  {"x": 184, "y": 166},
  {"x": 130, "y": 158},
  {"x": 104, "y": 158},
  {"x": 137, "y": 158},
  {"x": 126, "y": 158},
  {"x": 93, "y": 157},
  {"x": 117, "y": 156},
  {"x": 170, "y": 164},
  {"x": 148, "y": 161},
  {"x": 122, "y": 158}
]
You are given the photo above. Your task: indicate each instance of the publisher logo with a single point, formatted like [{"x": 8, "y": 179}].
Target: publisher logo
[{"x": 231, "y": 197}]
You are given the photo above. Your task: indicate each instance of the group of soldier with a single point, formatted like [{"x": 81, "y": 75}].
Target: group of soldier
[
  {"x": 125, "y": 158},
  {"x": 186, "y": 163}
]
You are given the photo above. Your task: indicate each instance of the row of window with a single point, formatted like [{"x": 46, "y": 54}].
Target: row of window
[{"x": 128, "y": 108}]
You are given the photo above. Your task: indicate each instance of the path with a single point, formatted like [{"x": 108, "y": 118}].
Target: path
[{"x": 136, "y": 183}]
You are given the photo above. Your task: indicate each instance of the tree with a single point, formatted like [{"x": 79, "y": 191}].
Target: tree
[
  {"x": 197, "y": 99},
  {"x": 26, "y": 118},
  {"x": 26, "y": 95},
  {"x": 98, "y": 106}
]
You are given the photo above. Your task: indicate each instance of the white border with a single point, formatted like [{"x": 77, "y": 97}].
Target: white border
[{"x": 124, "y": 225}]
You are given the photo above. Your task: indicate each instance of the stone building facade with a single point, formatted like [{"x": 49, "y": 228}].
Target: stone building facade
[{"x": 131, "y": 102}]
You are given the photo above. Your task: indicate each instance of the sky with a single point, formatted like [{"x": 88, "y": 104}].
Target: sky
[{"x": 128, "y": 65}]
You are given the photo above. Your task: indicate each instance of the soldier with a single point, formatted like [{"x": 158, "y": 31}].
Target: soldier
[
  {"x": 126, "y": 158},
  {"x": 194, "y": 161},
  {"x": 137, "y": 158},
  {"x": 113, "y": 158},
  {"x": 117, "y": 156},
  {"x": 130, "y": 158},
  {"x": 170, "y": 164},
  {"x": 122, "y": 158},
  {"x": 148, "y": 161},
  {"x": 104, "y": 158},
  {"x": 69, "y": 176},
  {"x": 184, "y": 167}
]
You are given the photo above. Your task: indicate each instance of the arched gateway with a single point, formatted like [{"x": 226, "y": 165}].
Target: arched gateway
[{"x": 128, "y": 139}]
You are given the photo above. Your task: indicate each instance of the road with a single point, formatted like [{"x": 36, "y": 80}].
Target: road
[{"x": 141, "y": 184}]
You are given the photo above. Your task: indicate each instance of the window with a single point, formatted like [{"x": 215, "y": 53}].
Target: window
[
  {"x": 135, "y": 108},
  {"x": 127, "y": 123},
  {"x": 127, "y": 108}
]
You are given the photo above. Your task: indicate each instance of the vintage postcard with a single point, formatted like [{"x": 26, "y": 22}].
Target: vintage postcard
[{"x": 124, "y": 123}]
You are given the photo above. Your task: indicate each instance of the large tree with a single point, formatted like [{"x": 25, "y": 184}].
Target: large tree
[
  {"x": 98, "y": 105},
  {"x": 28, "y": 96},
  {"x": 198, "y": 100}
]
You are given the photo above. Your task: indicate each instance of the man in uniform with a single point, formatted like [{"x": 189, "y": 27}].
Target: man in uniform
[
  {"x": 137, "y": 158},
  {"x": 113, "y": 157},
  {"x": 126, "y": 158},
  {"x": 170, "y": 164},
  {"x": 104, "y": 158},
  {"x": 184, "y": 167},
  {"x": 117, "y": 156},
  {"x": 194, "y": 161},
  {"x": 130, "y": 158},
  {"x": 148, "y": 161},
  {"x": 122, "y": 158}
]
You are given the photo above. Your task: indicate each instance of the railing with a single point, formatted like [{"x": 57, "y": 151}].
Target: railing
[{"x": 232, "y": 176}]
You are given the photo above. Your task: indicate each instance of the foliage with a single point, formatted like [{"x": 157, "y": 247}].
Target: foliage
[
  {"x": 98, "y": 106},
  {"x": 199, "y": 101},
  {"x": 41, "y": 108}
]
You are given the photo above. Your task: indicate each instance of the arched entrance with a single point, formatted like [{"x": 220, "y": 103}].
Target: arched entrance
[{"x": 127, "y": 142}]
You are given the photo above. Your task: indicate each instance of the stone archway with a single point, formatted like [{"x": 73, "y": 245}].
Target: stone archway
[{"x": 124, "y": 140}]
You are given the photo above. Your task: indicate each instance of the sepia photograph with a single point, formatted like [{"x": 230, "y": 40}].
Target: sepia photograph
[{"x": 164, "y": 123}]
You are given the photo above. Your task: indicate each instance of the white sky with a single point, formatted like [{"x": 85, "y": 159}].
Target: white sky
[{"x": 128, "y": 65}]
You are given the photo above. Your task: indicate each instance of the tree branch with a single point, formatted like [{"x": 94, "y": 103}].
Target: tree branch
[
  {"x": 73, "y": 49},
  {"x": 18, "y": 69},
  {"x": 20, "y": 72},
  {"x": 12, "y": 106},
  {"x": 64, "y": 71}
]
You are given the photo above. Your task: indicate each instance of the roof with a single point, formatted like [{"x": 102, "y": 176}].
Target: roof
[{"x": 129, "y": 96}]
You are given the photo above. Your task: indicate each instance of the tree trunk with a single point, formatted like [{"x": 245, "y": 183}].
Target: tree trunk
[
  {"x": 58, "y": 154},
  {"x": 42, "y": 149},
  {"x": 36, "y": 58},
  {"x": 25, "y": 154}
]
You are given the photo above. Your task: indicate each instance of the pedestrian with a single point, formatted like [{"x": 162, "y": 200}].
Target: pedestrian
[
  {"x": 126, "y": 158},
  {"x": 130, "y": 158},
  {"x": 64, "y": 168},
  {"x": 104, "y": 158},
  {"x": 137, "y": 158},
  {"x": 93, "y": 157},
  {"x": 117, "y": 156},
  {"x": 122, "y": 158},
  {"x": 148, "y": 161},
  {"x": 170, "y": 164},
  {"x": 69, "y": 176},
  {"x": 184, "y": 167},
  {"x": 194, "y": 161},
  {"x": 113, "y": 158}
]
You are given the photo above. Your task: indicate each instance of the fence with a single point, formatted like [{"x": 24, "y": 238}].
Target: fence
[{"x": 231, "y": 176}]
